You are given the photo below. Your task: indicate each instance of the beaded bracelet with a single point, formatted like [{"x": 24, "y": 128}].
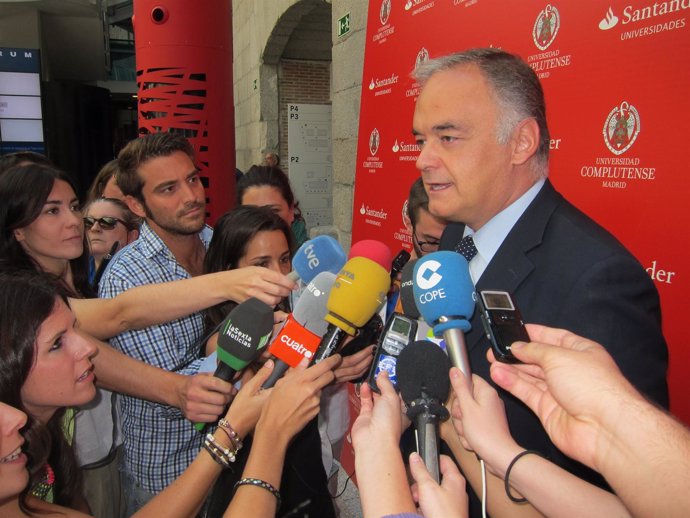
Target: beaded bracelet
[
  {"x": 247, "y": 481},
  {"x": 510, "y": 467},
  {"x": 216, "y": 455},
  {"x": 223, "y": 456},
  {"x": 224, "y": 425}
]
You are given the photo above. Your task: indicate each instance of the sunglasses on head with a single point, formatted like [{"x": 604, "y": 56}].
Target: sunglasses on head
[{"x": 106, "y": 222}]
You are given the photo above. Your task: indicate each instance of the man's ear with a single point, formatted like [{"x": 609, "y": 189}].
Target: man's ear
[
  {"x": 135, "y": 206},
  {"x": 525, "y": 141}
]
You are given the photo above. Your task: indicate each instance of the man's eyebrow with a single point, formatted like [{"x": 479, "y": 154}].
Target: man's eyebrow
[
  {"x": 446, "y": 126},
  {"x": 441, "y": 127}
]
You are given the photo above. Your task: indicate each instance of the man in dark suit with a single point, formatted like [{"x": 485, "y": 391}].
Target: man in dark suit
[{"x": 480, "y": 121}]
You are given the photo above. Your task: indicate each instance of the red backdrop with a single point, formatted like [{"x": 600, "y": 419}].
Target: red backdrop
[{"x": 616, "y": 82}]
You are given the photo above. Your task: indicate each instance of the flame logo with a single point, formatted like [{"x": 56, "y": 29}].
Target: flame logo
[
  {"x": 396, "y": 147},
  {"x": 363, "y": 210},
  {"x": 408, "y": 5},
  {"x": 372, "y": 85},
  {"x": 609, "y": 21}
]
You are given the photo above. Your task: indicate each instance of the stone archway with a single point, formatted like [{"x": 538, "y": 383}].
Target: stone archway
[{"x": 295, "y": 67}]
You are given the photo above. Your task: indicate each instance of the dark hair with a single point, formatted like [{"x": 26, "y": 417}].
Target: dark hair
[
  {"x": 27, "y": 299},
  {"x": 18, "y": 157},
  {"x": 107, "y": 172},
  {"x": 516, "y": 86},
  {"x": 132, "y": 221},
  {"x": 417, "y": 199},
  {"x": 260, "y": 175},
  {"x": 143, "y": 149},
  {"x": 24, "y": 190},
  {"x": 231, "y": 236}
]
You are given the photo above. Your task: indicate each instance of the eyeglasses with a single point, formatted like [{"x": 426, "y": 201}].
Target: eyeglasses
[
  {"x": 426, "y": 246},
  {"x": 106, "y": 222}
]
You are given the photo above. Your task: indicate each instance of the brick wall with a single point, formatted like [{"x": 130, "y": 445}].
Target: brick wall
[{"x": 306, "y": 82}]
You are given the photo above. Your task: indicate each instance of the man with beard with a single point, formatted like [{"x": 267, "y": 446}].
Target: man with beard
[{"x": 162, "y": 185}]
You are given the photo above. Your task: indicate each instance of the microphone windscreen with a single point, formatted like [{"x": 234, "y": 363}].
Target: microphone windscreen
[
  {"x": 360, "y": 289},
  {"x": 374, "y": 250},
  {"x": 321, "y": 254},
  {"x": 422, "y": 371},
  {"x": 443, "y": 288},
  {"x": 311, "y": 308},
  {"x": 409, "y": 306},
  {"x": 244, "y": 332}
]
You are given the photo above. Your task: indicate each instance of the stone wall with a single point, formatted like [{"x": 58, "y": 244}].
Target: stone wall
[{"x": 261, "y": 32}]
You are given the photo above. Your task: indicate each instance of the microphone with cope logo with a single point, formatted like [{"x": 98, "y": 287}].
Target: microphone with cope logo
[
  {"x": 444, "y": 294},
  {"x": 303, "y": 329}
]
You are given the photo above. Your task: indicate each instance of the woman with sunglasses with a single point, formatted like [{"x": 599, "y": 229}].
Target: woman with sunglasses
[
  {"x": 41, "y": 229},
  {"x": 109, "y": 225},
  {"x": 45, "y": 365}
]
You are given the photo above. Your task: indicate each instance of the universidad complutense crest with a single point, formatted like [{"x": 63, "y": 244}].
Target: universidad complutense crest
[
  {"x": 546, "y": 27},
  {"x": 621, "y": 128}
]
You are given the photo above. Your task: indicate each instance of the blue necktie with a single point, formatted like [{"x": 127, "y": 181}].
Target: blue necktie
[{"x": 466, "y": 248}]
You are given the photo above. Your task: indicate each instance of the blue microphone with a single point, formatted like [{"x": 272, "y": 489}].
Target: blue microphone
[
  {"x": 321, "y": 254},
  {"x": 444, "y": 293}
]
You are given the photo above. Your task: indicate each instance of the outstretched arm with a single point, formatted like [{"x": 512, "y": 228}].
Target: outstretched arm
[
  {"x": 144, "y": 306},
  {"x": 592, "y": 413},
  {"x": 295, "y": 401},
  {"x": 201, "y": 398},
  {"x": 379, "y": 465},
  {"x": 184, "y": 496}
]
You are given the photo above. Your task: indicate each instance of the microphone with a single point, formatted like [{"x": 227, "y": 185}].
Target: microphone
[
  {"x": 321, "y": 254},
  {"x": 359, "y": 290},
  {"x": 435, "y": 275},
  {"x": 241, "y": 337},
  {"x": 424, "y": 384},
  {"x": 303, "y": 329},
  {"x": 374, "y": 250},
  {"x": 399, "y": 262},
  {"x": 408, "y": 306}
]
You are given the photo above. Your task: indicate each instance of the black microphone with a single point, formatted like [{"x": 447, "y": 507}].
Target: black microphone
[
  {"x": 407, "y": 302},
  {"x": 241, "y": 337},
  {"x": 424, "y": 384}
]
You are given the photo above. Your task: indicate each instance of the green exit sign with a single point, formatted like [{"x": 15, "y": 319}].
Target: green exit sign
[{"x": 343, "y": 25}]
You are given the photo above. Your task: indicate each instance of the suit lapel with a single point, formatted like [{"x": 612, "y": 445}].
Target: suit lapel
[{"x": 510, "y": 265}]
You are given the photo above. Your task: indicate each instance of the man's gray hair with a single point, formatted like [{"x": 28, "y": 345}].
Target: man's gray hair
[{"x": 516, "y": 87}]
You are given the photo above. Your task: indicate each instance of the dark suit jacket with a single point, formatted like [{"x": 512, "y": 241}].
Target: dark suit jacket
[{"x": 566, "y": 271}]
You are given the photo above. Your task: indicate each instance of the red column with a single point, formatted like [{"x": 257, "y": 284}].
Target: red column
[{"x": 184, "y": 77}]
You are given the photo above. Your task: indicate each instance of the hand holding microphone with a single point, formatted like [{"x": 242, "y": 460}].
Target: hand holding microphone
[{"x": 241, "y": 337}]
